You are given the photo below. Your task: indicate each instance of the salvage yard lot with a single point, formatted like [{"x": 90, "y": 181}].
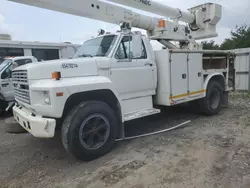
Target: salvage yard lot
[{"x": 209, "y": 152}]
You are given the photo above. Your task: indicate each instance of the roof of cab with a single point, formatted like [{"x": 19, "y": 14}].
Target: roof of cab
[{"x": 19, "y": 57}]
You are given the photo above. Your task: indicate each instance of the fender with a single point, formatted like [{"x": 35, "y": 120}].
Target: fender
[
  {"x": 209, "y": 77},
  {"x": 76, "y": 85},
  {"x": 92, "y": 83},
  {"x": 71, "y": 86}
]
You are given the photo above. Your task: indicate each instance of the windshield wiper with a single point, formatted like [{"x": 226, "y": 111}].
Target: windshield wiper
[
  {"x": 99, "y": 55},
  {"x": 85, "y": 55}
]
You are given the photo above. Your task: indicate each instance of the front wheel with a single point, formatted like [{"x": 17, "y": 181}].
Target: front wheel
[
  {"x": 211, "y": 104},
  {"x": 89, "y": 130}
]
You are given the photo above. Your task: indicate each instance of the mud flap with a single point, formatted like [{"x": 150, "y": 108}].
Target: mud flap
[{"x": 224, "y": 101}]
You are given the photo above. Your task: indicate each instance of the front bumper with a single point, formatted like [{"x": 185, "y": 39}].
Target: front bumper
[{"x": 36, "y": 125}]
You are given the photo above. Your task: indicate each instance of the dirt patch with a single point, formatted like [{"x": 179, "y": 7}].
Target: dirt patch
[{"x": 122, "y": 172}]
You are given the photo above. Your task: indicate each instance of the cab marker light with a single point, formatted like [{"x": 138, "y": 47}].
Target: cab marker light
[{"x": 59, "y": 94}]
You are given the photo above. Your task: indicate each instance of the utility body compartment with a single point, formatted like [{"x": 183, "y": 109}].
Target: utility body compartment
[{"x": 182, "y": 75}]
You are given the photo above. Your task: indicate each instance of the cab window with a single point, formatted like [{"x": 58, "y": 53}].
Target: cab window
[
  {"x": 21, "y": 62},
  {"x": 124, "y": 50},
  {"x": 7, "y": 73}
]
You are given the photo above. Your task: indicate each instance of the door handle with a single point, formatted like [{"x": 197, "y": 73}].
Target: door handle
[
  {"x": 184, "y": 76},
  {"x": 149, "y": 64},
  {"x": 5, "y": 85}
]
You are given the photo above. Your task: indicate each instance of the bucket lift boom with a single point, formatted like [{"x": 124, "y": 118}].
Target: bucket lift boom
[{"x": 201, "y": 20}]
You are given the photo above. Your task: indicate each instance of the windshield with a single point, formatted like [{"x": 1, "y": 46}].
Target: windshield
[
  {"x": 100, "y": 46},
  {"x": 4, "y": 64}
]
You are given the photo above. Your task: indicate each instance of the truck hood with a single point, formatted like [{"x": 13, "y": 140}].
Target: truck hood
[{"x": 68, "y": 67}]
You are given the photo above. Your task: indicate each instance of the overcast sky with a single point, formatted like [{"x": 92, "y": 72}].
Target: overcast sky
[{"x": 35, "y": 24}]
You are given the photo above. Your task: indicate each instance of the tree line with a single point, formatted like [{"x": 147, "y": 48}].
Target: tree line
[{"x": 240, "y": 38}]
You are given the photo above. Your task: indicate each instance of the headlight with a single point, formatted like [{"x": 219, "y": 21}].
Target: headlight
[{"x": 46, "y": 96}]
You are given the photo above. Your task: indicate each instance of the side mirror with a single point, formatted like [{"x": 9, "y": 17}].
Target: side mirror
[
  {"x": 137, "y": 44},
  {"x": 6, "y": 75}
]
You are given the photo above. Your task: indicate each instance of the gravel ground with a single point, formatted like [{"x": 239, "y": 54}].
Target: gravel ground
[{"x": 209, "y": 152}]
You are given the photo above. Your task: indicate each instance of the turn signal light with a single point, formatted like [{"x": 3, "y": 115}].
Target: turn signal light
[
  {"x": 60, "y": 94},
  {"x": 161, "y": 23},
  {"x": 56, "y": 75}
]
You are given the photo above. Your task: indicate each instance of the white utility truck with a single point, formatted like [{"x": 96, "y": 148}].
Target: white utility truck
[
  {"x": 115, "y": 78},
  {"x": 7, "y": 97}
]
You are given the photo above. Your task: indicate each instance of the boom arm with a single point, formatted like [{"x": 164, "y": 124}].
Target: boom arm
[
  {"x": 202, "y": 19},
  {"x": 95, "y": 9},
  {"x": 158, "y": 8}
]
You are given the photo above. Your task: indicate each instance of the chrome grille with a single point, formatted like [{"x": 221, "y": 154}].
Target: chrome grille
[{"x": 21, "y": 86}]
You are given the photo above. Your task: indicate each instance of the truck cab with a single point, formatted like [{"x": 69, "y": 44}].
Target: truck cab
[
  {"x": 121, "y": 58},
  {"x": 6, "y": 67}
]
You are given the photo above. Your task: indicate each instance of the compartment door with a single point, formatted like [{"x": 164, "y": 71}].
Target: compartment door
[
  {"x": 179, "y": 76},
  {"x": 195, "y": 77}
]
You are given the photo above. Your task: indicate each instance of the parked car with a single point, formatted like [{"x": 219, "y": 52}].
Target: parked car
[{"x": 6, "y": 89}]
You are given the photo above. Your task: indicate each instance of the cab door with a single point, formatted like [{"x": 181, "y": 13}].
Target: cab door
[
  {"x": 6, "y": 84},
  {"x": 132, "y": 77}
]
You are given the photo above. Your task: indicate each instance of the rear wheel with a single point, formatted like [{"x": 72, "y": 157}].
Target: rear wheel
[
  {"x": 89, "y": 130},
  {"x": 211, "y": 104}
]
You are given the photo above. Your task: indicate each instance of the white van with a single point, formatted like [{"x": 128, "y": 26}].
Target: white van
[{"x": 6, "y": 89}]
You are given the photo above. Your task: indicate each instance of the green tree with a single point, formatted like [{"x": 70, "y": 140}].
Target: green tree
[
  {"x": 210, "y": 45},
  {"x": 240, "y": 38}
]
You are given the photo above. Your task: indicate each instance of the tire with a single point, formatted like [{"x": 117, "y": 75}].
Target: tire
[
  {"x": 11, "y": 126},
  {"x": 211, "y": 104},
  {"x": 2, "y": 112},
  {"x": 3, "y": 106},
  {"x": 81, "y": 123}
]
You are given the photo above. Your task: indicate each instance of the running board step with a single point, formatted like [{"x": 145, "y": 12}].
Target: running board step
[{"x": 140, "y": 114}]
